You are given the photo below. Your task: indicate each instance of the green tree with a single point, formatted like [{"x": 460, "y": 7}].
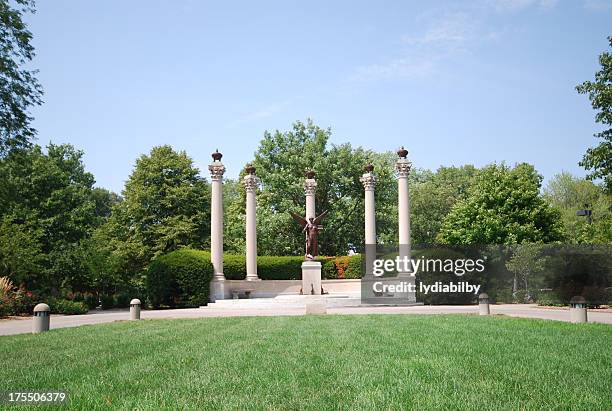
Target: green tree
[
  {"x": 19, "y": 89},
  {"x": 47, "y": 199},
  {"x": 599, "y": 158},
  {"x": 503, "y": 206},
  {"x": 165, "y": 207},
  {"x": 570, "y": 194},
  {"x": 432, "y": 196},
  {"x": 525, "y": 264},
  {"x": 282, "y": 160}
]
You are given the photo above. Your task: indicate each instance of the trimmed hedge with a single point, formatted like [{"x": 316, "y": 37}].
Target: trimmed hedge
[
  {"x": 269, "y": 267},
  {"x": 180, "y": 278},
  {"x": 68, "y": 307}
]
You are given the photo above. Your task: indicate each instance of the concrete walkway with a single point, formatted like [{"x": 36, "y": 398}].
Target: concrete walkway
[{"x": 20, "y": 325}]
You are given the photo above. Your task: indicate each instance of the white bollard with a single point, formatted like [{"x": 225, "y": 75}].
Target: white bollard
[
  {"x": 42, "y": 315},
  {"x": 135, "y": 309},
  {"x": 483, "y": 304},
  {"x": 578, "y": 309}
]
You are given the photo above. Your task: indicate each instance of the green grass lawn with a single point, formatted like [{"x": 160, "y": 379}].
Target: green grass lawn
[{"x": 319, "y": 362}]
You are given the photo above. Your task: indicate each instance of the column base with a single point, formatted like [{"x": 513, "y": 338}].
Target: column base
[
  {"x": 311, "y": 278},
  {"x": 217, "y": 290},
  {"x": 252, "y": 277}
]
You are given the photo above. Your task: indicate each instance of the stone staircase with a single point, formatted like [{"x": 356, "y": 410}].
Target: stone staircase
[{"x": 289, "y": 301}]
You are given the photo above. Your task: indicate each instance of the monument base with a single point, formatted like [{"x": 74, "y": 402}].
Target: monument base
[
  {"x": 311, "y": 278},
  {"x": 217, "y": 290}
]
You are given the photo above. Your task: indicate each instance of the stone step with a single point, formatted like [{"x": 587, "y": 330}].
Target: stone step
[{"x": 289, "y": 301}]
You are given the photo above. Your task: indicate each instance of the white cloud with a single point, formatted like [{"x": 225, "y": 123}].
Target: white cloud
[
  {"x": 515, "y": 5},
  {"x": 444, "y": 36},
  {"x": 401, "y": 67},
  {"x": 456, "y": 28}
]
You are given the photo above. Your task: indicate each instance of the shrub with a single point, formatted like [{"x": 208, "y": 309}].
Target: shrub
[
  {"x": 280, "y": 268},
  {"x": 354, "y": 268},
  {"x": 62, "y": 306},
  {"x": 180, "y": 278},
  {"x": 122, "y": 300},
  {"x": 17, "y": 302},
  {"x": 234, "y": 266},
  {"x": 91, "y": 301},
  {"x": 329, "y": 269},
  {"x": 107, "y": 301},
  {"x": 549, "y": 299}
]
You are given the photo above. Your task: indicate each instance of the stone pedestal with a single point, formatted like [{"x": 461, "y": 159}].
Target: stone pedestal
[
  {"x": 311, "y": 278},
  {"x": 217, "y": 290}
]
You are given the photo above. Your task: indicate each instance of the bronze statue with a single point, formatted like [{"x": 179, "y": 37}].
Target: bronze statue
[{"x": 311, "y": 227}]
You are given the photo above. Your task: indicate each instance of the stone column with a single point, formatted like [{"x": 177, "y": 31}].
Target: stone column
[
  {"x": 216, "y": 169},
  {"x": 250, "y": 184},
  {"x": 310, "y": 186},
  {"x": 369, "y": 182},
  {"x": 402, "y": 168}
]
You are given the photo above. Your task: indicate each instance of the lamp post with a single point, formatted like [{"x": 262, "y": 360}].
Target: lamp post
[{"x": 587, "y": 212}]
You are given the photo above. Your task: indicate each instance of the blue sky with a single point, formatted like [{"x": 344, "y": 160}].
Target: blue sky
[{"x": 455, "y": 82}]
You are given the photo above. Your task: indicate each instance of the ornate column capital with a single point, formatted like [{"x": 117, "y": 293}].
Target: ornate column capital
[
  {"x": 217, "y": 169},
  {"x": 250, "y": 183},
  {"x": 402, "y": 167},
  {"x": 310, "y": 185},
  {"x": 368, "y": 180}
]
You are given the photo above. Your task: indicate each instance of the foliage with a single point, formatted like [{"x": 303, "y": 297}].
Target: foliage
[
  {"x": 165, "y": 207},
  {"x": 432, "y": 196},
  {"x": 282, "y": 160},
  {"x": 550, "y": 299},
  {"x": 599, "y": 158},
  {"x": 17, "y": 302},
  {"x": 6, "y": 286},
  {"x": 107, "y": 301},
  {"x": 503, "y": 206},
  {"x": 62, "y": 306},
  {"x": 570, "y": 194},
  {"x": 525, "y": 263},
  {"x": 19, "y": 89},
  {"x": 180, "y": 278},
  {"x": 46, "y": 209}
]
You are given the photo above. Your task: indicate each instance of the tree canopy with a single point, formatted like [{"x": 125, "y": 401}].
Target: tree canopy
[
  {"x": 503, "y": 206},
  {"x": 19, "y": 88},
  {"x": 598, "y": 159}
]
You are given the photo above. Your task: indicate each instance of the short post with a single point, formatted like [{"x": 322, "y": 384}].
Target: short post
[
  {"x": 42, "y": 314},
  {"x": 578, "y": 309},
  {"x": 483, "y": 304},
  {"x": 135, "y": 309}
]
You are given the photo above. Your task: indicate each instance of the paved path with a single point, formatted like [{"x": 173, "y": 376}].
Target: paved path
[{"x": 24, "y": 324}]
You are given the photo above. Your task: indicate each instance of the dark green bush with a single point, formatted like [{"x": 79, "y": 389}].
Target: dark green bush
[
  {"x": 280, "y": 268},
  {"x": 122, "y": 300},
  {"x": 180, "y": 279},
  {"x": 234, "y": 266},
  {"x": 62, "y": 306},
  {"x": 107, "y": 301},
  {"x": 329, "y": 270},
  {"x": 91, "y": 301},
  {"x": 354, "y": 268}
]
